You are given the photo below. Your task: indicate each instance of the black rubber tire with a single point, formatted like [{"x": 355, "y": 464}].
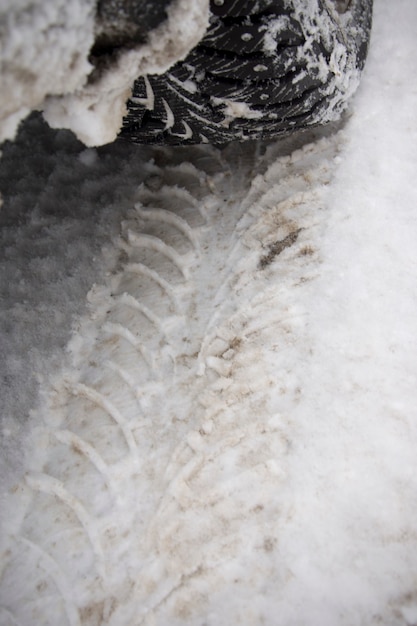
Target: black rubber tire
[
  {"x": 123, "y": 24},
  {"x": 264, "y": 68}
]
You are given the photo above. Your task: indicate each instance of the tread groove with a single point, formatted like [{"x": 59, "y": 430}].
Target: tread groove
[
  {"x": 125, "y": 376},
  {"x": 167, "y": 217},
  {"x": 53, "y": 487},
  {"x": 79, "y": 389},
  {"x": 118, "y": 330},
  {"x": 79, "y": 444},
  {"x": 55, "y": 573},
  {"x": 140, "y": 268},
  {"x": 150, "y": 242},
  {"x": 130, "y": 301}
]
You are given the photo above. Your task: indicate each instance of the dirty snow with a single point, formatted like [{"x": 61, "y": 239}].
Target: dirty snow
[{"x": 287, "y": 491}]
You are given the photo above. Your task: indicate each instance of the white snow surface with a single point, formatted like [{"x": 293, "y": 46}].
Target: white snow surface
[
  {"x": 44, "y": 50},
  {"x": 230, "y": 436}
]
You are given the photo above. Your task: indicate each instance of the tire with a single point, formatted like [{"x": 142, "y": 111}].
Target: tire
[
  {"x": 264, "y": 68},
  {"x": 122, "y": 24}
]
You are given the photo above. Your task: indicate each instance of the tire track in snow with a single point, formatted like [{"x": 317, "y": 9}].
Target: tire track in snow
[{"x": 168, "y": 427}]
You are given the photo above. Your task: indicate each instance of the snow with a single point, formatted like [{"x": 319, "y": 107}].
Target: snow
[
  {"x": 61, "y": 201},
  {"x": 340, "y": 74},
  {"x": 268, "y": 473},
  {"x": 45, "y": 47},
  {"x": 234, "y": 109},
  {"x": 95, "y": 113},
  {"x": 44, "y": 50}
]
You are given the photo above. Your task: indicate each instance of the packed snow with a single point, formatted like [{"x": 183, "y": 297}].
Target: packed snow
[
  {"x": 45, "y": 64},
  {"x": 44, "y": 51},
  {"x": 209, "y": 376}
]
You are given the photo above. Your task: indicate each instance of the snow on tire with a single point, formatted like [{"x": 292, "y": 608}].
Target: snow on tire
[
  {"x": 262, "y": 70},
  {"x": 162, "y": 450}
]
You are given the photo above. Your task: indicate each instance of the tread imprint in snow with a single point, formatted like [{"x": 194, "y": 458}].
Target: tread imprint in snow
[{"x": 136, "y": 438}]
